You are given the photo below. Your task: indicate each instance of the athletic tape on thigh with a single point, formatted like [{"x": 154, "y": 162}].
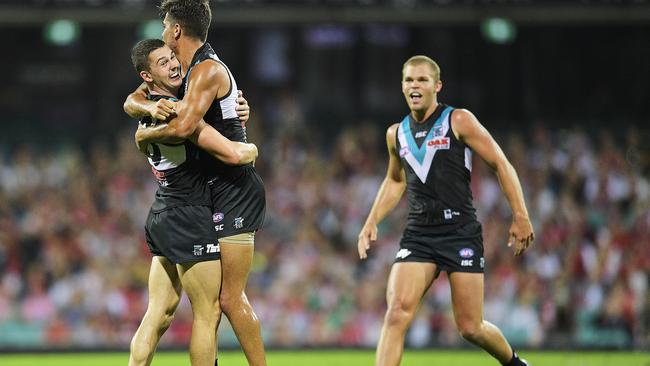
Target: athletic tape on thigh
[{"x": 243, "y": 239}]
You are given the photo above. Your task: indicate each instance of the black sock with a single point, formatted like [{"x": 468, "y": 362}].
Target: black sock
[
  {"x": 216, "y": 362},
  {"x": 515, "y": 361}
]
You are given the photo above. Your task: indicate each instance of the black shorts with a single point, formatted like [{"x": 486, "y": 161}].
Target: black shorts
[
  {"x": 458, "y": 251},
  {"x": 238, "y": 203},
  {"x": 182, "y": 234}
]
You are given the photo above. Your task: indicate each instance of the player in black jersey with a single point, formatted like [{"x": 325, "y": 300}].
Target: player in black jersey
[
  {"x": 179, "y": 227},
  {"x": 238, "y": 196},
  {"x": 430, "y": 158}
]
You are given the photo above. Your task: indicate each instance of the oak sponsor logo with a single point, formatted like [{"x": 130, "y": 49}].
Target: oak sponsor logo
[{"x": 439, "y": 143}]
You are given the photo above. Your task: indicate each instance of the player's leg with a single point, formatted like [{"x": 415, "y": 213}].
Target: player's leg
[
  {"x": 202, "y": 283},
  {"x": 467, "y": 300},
  {"x": 236, "y": 260},
  {"x": 407, "y": 283},
  {"x": 164, "y": 295}
]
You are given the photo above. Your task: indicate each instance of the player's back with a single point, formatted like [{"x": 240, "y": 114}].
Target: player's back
[{"x": 221, "y": 115}]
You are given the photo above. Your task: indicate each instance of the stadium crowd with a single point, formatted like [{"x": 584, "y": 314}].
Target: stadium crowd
[{"x": 74, "y": 264}]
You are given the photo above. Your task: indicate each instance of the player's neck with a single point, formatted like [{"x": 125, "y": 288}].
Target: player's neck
[
  {"x": 158, "y": 90},
  {"x": 421, "y": 116},
  {"x": 186, "y": 50}
]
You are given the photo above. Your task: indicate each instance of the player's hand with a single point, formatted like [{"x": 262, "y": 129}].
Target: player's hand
[
  {"x": 242, "y": 108},
  {"x": 521, "y": 234},
  {"x": 162, "y": 109},
  {"x": 368, "y": 233}
]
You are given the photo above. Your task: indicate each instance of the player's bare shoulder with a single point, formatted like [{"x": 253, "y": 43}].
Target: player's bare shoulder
[
  {"x": 463, "y": 122},
  {"x": 391, "y": 136},
  {"x": 209, "y": 74}
]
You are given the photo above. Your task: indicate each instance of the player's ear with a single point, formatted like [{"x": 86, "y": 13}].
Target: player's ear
[
  {"x": 438, "y": 86},
  {"x": 146, "y": 76},
  {"x": 177, "y": 31}
]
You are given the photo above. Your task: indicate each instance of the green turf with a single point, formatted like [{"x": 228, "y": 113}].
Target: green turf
[{"x": 336, "y": 358}]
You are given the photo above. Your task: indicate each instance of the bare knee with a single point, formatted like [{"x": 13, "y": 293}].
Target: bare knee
[
  {"x": 399, "y": 314},
  {"x": 231, "y": 302},
  {"x": 470, "y": 330},
  {"x": 207, "y": 313}
]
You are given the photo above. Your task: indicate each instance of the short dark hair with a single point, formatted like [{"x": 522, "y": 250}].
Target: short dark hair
[
  {"x": 193, "y": 15},
  {"x": 140, "y": 53}
]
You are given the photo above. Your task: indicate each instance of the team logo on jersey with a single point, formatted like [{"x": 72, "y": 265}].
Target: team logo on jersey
[
  {"x": 438, "y": 131},
  {"x": 449, "y": 214},
  {"x": 403, "y": 151},
  {"x": 239, "y": 223},
  {"x": 403, "y": 253},
  {"x": 466, "y": 253},
  {"x": 198, "y": 250},
  {"x": 217, "y": 217},
  {"x": 440, "y": 143}
]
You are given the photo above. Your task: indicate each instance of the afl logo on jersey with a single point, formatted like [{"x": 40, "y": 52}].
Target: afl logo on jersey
[
  {"x": 403, "y": 151},
  {"x": 466, "y": 253},
  {"x": 441, "y": 143},
  {"x": 217, "y": 217}
]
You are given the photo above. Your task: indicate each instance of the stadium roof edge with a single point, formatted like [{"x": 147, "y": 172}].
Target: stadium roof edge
[{"x": 12, "y": 16}]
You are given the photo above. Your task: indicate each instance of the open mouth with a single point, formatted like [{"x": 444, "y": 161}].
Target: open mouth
[
  {"x": 174, "y": 76},
  {"x": 415, "y": 97}
]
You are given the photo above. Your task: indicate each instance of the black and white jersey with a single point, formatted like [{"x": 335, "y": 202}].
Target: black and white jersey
[
  {"x": 175, "y": 166},
  {"x": 221, "y": 115},
  {"x": 438, "y": 172}
]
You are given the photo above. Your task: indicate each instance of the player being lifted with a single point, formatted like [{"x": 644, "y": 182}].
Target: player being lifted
[
  {"x": 209, "y": 92},
  {"x": 430, "y": 154},
  {"x": 179, "y": 228}
]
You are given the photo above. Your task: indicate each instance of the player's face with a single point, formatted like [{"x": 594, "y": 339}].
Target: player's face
[
  {"x": 165, "y": 69},
  {"x": 419, "y": 86},
  {"x": 168, "y": 35}
]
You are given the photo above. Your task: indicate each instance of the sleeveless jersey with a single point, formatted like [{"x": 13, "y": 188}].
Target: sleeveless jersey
[
  {"x": 221, "y": 115},
  {"x": 438, "y": 173},
  {"x": 175, "y": 166}
]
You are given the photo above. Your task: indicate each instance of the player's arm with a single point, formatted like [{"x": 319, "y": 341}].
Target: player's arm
[
  {"x": 207, "y": 80},
  {"x": 388, "y": 196},
  {"x": 137, "y": 105},
  {"x": 469, "y": 130},
  {"x": 230, "y": 152},
  {"x": 204, "y": 85}
]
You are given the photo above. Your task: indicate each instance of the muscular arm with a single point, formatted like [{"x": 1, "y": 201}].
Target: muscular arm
[
  {"x": 468, "y": 129},
  {"x": 138, "y": 106},
  {"x": 205, "y": 137},
  {"x": 207, "y": 80},
  {"x": 388, "y": 196},
  {"x": 230, "y": 152}
]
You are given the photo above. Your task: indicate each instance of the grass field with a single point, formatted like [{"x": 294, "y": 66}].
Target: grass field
[{"x": 337, "y": 358}]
